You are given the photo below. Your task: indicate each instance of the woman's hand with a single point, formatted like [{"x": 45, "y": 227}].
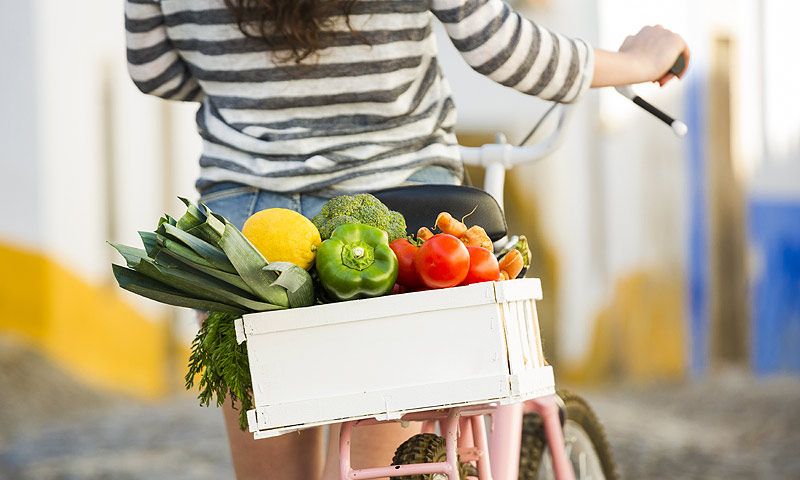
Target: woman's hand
[
  {"x": 644, "y": 57},
  {"x": 654, "y": 50}
]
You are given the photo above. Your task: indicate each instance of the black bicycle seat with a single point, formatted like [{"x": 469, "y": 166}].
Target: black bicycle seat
[{"x": 421, "y": 204}]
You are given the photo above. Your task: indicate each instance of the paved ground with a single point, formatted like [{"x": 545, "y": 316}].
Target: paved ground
[
  {"x": 52, "y": 428},
  {"x": 733, "y": 428},
  {"x": 171, "y": 441}
]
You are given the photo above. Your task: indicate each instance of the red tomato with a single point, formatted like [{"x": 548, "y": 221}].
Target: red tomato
[
  {"x": 442, "y": 261},
  {"x": 407, "y": 274},
  {"x": 483, "y": 266}
]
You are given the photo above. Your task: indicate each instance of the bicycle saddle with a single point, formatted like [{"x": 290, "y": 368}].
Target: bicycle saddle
[{"x": 421, "y": 204}]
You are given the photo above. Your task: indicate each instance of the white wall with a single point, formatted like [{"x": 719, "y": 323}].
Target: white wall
[
  {"x": 778, "y": 176},
  {"x": 20, "y": 203},
  {"x": 82, "y": 65},
  {"x": 71, "y": 118}
]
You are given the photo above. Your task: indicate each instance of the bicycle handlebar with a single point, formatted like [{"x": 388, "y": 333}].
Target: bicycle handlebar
[{"x": 508, "y": 156}]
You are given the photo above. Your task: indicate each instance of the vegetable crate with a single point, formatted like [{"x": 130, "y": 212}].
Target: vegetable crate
[{"x": 389, "y": 356}]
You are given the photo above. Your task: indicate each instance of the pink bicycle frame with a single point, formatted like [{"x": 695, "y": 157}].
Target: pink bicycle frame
[{"x": 465, "y": 436}]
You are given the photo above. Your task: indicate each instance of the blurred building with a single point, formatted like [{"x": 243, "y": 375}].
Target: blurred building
[
  {"x": 660, "y": 257},
  {"x": 85, "y": 158}
]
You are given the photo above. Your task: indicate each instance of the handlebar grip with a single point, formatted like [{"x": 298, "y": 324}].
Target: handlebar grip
[{"x": 679, "y": 66}]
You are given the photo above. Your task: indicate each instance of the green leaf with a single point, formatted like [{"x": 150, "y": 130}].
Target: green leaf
[
  {"x": 178, "y": 249},
  {"x": 193, "y": 216},
  {"x": 164, "y": 258},
  {"x": 297, "y": 282},
  {"x": 166, "y": 220},
  {"x": 250, "y": 265},
  {"x": 188, "y": 221},
  {"x": 199, "y": 222},
  {"x": 131, "y": 255},
  {"x": 211, "y": 229},
  {"x": 193, "y": 209},
  {"x": 140, "y": 284},
  {"x": 210, "y": 253},
  {"x": 134, "y": 256},
  {"x": 150, "y": 242},
  {"x": 202, "y": 286},
  {"x": 231, "y": 278}
]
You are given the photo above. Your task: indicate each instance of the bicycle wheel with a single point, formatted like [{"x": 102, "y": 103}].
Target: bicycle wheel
[
  {"x": 586, "y": 444},
  {"x": 425, "y": 448}
]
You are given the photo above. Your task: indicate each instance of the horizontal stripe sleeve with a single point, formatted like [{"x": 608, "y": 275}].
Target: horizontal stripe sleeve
[
  {"x": 511, "y": 50},
  {"x": 154, "y": 64}
]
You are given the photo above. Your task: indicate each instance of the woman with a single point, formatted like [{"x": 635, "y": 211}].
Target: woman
[{"x": 303, "y": 99}]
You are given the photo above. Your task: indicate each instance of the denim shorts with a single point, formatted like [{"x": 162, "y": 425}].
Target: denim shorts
[{"x": 238, "y": 202}]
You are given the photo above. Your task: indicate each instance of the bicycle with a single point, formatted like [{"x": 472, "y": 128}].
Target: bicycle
[{"x": 534, "y": 432}]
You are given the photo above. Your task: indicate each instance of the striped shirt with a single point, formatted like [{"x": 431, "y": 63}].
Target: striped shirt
[{"x": 366, "y": 112}]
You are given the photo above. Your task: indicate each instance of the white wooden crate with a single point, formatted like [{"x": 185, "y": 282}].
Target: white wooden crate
[{"x": 385, "y": 357}]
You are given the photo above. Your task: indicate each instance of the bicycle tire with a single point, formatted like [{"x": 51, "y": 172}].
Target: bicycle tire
[
  {"x": 424, "y": 448},
  {"x": 580, "y": 414}
]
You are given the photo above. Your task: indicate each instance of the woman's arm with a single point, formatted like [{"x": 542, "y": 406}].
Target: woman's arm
[
  {"x": 513, "y": 51},
  {"x": 153, "y": 62},
  {"x": 644, "y": 57},
  {"x": 506, "y": 47}
]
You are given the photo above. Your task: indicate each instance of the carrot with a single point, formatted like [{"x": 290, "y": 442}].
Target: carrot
[
  {"x": 424, "y": 234},
  {"x": 476, "y": 236},
  {"x": 447, "y": 224},
  {"x": 511, "y": 264}
]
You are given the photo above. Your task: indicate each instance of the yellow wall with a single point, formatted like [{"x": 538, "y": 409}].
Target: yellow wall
[
  {"x": 639, "y": 336},
  {"x": 88, "y": 329}
]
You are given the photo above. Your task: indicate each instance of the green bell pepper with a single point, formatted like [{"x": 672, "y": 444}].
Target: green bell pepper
[{"x": 356, "y": 262}]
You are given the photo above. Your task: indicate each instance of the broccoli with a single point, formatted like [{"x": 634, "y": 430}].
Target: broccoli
[
  {"x": 396, "y": 226},
  {"x": 327, "y": 226},
  {"x": 360, "y": 208}
]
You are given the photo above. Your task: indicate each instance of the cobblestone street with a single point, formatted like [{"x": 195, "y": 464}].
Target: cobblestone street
[
  {"x": 732, "y": 428},
  {"x": 176, "y": 440}
]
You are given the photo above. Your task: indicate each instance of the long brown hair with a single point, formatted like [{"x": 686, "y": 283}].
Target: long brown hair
[{"x": 293, "y": 24}]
